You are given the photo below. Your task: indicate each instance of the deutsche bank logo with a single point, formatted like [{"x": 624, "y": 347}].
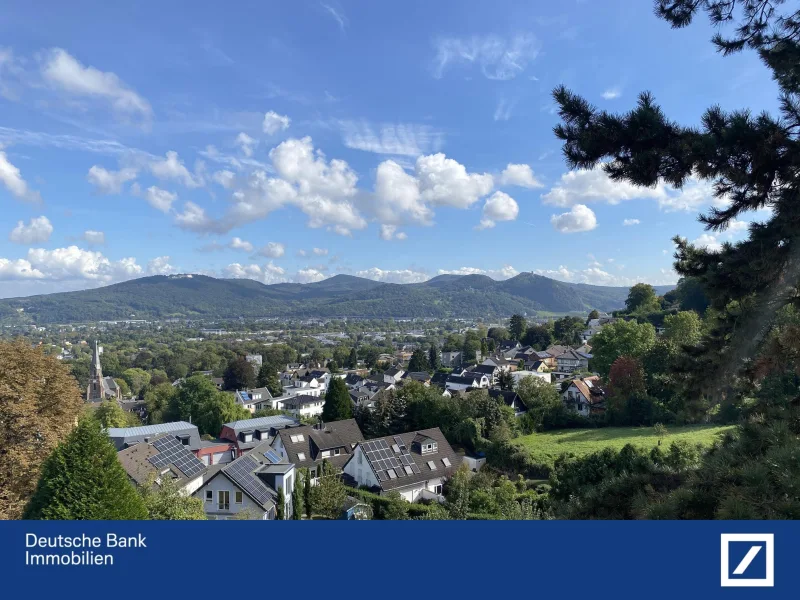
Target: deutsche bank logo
[{"x": 748, "y": 559}]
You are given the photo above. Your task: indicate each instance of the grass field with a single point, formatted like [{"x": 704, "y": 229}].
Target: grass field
[{"x": 547, "y": 446}]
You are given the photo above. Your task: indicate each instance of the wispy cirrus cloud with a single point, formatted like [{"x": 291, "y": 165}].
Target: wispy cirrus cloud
[
  {"x": 500, "y": 58},
  {"x": 402, "y": 139}
]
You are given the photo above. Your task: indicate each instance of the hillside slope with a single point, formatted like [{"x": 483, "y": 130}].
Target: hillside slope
[{"x": 200, "y": 296}]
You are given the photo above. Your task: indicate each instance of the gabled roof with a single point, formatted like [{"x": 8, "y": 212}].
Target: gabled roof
[
  {"x": 336, "y": 434},
  {"x": 417, "y": 376},
  {"x": 465, "y": 380},
  {"x": 302, "y": 400},
  {"x": 483, "y": 369},
  {"x": 510, "y": 397},
  {"x": 556, "y": 351},
  {"x": 407, "y": 464},
  {"x": 589, "y": 387},
  {"x": 163, "y": 457}
]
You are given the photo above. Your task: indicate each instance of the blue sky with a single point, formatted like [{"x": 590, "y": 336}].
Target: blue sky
[{"x": 293, "y": 141}]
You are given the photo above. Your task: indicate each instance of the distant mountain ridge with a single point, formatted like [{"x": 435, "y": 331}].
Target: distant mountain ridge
[{"x": 200, "y": 296}]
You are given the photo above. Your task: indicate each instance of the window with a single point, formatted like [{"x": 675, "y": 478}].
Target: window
[
  {"x": 238, "y": 497},
  {"x": 224, "y": 500},
  {"x": 209, "y": 495},
  {"x": 301, "y": 456},
  {"x": 326, "y": 453},
  {"x": 431, "y": 465},
  {"x": 336, "y": 451},
  {"x": 446, "y": 461},
  {"x": 408, "y": 470},
  {"x": 185, "y": 441},
  {"x": 438, "y": 489},
  {"x": 297, "y": 438},
  {"x": 233, "y": 454},
  {"x": 360, "y": 458}
]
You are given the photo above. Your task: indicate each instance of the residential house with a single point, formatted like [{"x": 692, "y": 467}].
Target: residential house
[
  {"x": 255, "y": 360},
  {"x": 519, "y": 375},
  {"x": 307, "y": 446},
  {"x": 304, "y": 405},
  {"x": 393, "y": 375},
  {"x": 439, "y": 379},
  {"x": 250, "y": 483},
  {"x": 570, "y": 361},
  {"x": 415, "y": 464},
  {"x": 585, "y": 396},
  {"x": 163, "y": 457},
  {"x": 354, "y": 380},
  {"x": 500, "y": 362},
  {"x": 255, "y": 399},
  {"x": 422, "y": 377},
  {"x": 452, "y": 359},
  {"x": 536, "y": 365},
  {"x": 510, "y": 398},
  {"x": 491, "y": 371},
  {"x": 246, "y": 434},
  {"x": 508, "y": 349},
  {"x": 456, "y": 383},
  {"x": 548, "y": 359},
  {"x": 124, "y": 437}
]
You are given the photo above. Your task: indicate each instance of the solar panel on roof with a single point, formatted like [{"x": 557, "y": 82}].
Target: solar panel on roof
[
  {"x": 172, "y": 452},
  {"x": 272, "y": 456},
  {"x": 241, "y": 472}
]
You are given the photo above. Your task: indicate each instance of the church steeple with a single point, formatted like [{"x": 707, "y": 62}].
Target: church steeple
[{"x": 95, "y": 390}]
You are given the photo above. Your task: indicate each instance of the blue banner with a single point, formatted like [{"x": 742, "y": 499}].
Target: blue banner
[{"x": 396, "y": 559}]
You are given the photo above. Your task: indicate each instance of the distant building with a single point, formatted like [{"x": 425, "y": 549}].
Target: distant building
[
  {"x": 100, "y": 388},
  {"x": 164, "y": 457},
  {"x": 255, "y": 360},
  {"x": 125, "y": 437}
]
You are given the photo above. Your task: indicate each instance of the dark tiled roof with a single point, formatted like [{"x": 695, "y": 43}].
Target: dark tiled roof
[
  {"x": 483, "y": 369},
  {"x": 466, "y": 380},
  {"x": 417, "y": 376},
  {"x": 444, "y": 450},
  {"x": 336, "y": 434}
]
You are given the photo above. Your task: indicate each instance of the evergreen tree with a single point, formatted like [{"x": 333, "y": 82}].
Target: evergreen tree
[
  {"x": 352, "y": 360},
  {"x": 307, "y": 492},
  {"x": 338, "y": 405},
  {"x": 268, "y": 378},
  {"x": 296, "y": 508},
  {"x": 505, "y": 381},
  {"x": 751, "y": 161},
  {"x": 418, "y": 362},
  {"x": 280, "y": 510},
  {"x": 82, "y": 479},
  {"x": 517, "y": 326},
  {"x": 434, "y": 361}
]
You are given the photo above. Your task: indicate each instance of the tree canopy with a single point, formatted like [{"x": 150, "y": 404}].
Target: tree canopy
[
  {"x": 338, "y": 405},
  {"x": 39, "y": 405},
  {"x": 83, "y": 480}
]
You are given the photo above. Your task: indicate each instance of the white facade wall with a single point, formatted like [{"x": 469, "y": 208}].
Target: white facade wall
[{"x": 221, "y": 483}]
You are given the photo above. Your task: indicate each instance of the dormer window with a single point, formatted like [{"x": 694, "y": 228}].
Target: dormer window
[
  {"x": 429, "y": 447},
  {"x": 336, "y": 451}
]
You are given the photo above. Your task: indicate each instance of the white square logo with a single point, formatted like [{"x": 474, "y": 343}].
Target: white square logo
[{"x": 747, "y": 559}]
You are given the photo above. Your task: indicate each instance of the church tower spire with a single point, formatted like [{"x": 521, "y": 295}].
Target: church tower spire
[{"x": 95, "y": 390}]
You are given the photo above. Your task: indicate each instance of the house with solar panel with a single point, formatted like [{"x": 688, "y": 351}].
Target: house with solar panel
[
  {"x": 164, "y": 456},
  {"x": 250, "y": 484},
  {"x": 415, "y": 464},
  {"x": 186, "y": 433},
  {"x": 255, "y": 399},
  {"x": 308, "y": 446}
]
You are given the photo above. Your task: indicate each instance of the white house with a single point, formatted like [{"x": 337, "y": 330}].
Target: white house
[
  {"x": 163, "y": 457},
  {"x": 585, "y": 396},
  {"x": 415, "y": 464},
  {"x": 254, "y": 399},
  {"x": 303, "y": 405},
  {"x": 250, "y": 483},
  {"x": 520, "y": 375},
  {"x": 457, "y": 383}
]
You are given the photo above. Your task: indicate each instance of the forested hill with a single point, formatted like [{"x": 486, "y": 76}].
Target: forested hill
[{"x": 199, "y": 296}]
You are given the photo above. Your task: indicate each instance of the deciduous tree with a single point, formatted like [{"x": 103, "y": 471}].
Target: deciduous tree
[{"x": 39, "y": 405}]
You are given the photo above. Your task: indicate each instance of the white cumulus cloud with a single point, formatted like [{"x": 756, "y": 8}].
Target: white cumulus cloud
[
  {"x": 579, "y": 218},
  {"x": 445, "y": 182},
  {"x": 94, "y": 238},
  {"x": 499, "y": 207},
  {"x": 272, "y": 250},
  {"x": 38, "y": 230},
  {"x": 506, "y": 272},
  {"x": 11, "y": 177},
  {"x": 109, "y": 182},
  {"x": 389, "y": 276},
  {"x": 172, "y": 168},
  {"x": 309, "y": 276},
  {"x": 519, "y": 175},
  {"x": 273, "y": 123},
  {"x": 240, "y": 244}
]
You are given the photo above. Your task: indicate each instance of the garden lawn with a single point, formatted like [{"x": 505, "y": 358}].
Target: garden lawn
[{"x": 545, "y": 447}]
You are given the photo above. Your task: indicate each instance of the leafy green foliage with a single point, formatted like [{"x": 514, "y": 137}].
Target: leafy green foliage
[
  {"x": 239, "y": 374},
  {"x": 419, "y": 361},
  {"x": 329, "y": 495},
  {"x": 197, "y": 400},
  {"x": 683, "y": 328},
  {"x": 517, "y": 326},
  {"x": 621, "y": 338},
  {"x": 166, "y": 501}
]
